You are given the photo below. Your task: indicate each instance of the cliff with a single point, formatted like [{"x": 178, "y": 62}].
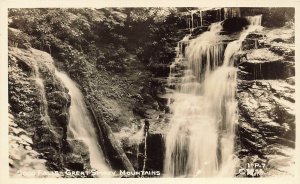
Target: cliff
[
  {"x": 44, "y": 140},
  {"x": 266, "y": 96}
]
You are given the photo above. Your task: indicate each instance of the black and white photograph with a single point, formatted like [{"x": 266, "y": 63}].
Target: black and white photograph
[{"x": 151, "y": 92}]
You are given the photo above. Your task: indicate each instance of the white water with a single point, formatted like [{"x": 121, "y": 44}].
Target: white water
[
  {"x": 205, "y": 50},
  {"x": 40, "y": 83},
  {"x": 200, "y": 142},
  {"x": 192, "y": 22},
  {"x": 81, "y": 126},
  {"x": 201, "y": 18}
]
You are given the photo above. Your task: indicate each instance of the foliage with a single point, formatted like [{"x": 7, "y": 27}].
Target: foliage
[
  {"x": 154, "y": 39},
  {"x": 102, "y": 37},
  {"x": 272, "y": 17},
  {"x": 18, "y": 39}
]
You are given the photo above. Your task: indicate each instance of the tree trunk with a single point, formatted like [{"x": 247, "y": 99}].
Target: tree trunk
[{"x": 110, "y": 146}]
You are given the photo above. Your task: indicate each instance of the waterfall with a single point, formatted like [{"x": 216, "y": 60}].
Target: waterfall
[
  {"x": 200, "y": 141},
  {"x": 255, "y": 20},
  {"x": 205, "y": 50},
  {"x": 81, "y": 126},
  {"x": 40, "y": 83},
  {"x": 192, "y": 22},
  {"x": 233, "y": 47},
  {"x": 201, "y": 18}
]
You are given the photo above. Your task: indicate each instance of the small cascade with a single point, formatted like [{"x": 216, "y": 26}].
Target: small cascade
[
  {"x": 201, "y": 18},
  {"x": 233, "y": 47},
  {"x": 137, "y": 139},
  {"x": 257, "y": 72},
  {"x": 255, "y": 20},
  {"x": 40, "y": 83},
  {"x": 205, "y": 51},
  {"x": 180, "y": 160},
  {"x": 81, "y": 126},
  {"x": 200, "y": 141},
  {"x": 192, "y": 22},
  {"x": 231, "y": 12}
]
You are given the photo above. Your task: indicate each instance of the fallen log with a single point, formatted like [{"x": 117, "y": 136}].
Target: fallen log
[{"x": 112, "y": 150}]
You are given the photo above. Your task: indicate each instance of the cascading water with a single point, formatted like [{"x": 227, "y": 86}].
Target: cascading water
[
  {"x": 81, "y": 126},
  {"x": 201, "y": 18},
  {"x": 200, "y": 141},
  {"x": 40, "y": 83},
  {"x": 205, "y": 50}
]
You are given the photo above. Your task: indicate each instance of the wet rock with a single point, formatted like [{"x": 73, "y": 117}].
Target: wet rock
[
  {"x": 78, "y": 157},
  {"x": 291, "y": 80},
  {"x": 163, "y": 103},
  {"x": 144, "y": 110},
  {"x": 264, "y": 64},
  {"x": 266, "y": 121},
  {"x": 26, "y": 138},
  {"x": 272, "y": 17},
  {"x": 63, "y": 119},
  {"x": 280, "y": 162},
  {"x": 278, "y": 40},
  {"x": 234, "y": 24},
  {"x": 44, "y": 137},
  {"x": 28, "y": 148},
  {"x": 283, "y": 50},
  {"x": 16, "y": 130},
  {"x": 199, "y": 30},
  {"x": 58, "y": 100},
  {"x": 150, "y": 113},
  {"x": 254, "y": 41},
  {"x": 159, "y": 82},
  {"x": 258, "y": 69},
  {"x": 250, "y": 139},
  {"x": 155, "y": 152},
  {"x": 255, "y": 36},
  {"x": 25, "y": 66},
  {"x": 160, "y": 70}
]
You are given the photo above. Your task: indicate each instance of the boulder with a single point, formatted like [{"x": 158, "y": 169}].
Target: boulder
[
  {"x": 260, "y": 69},
  {"x": 78, "y": 157},
  {"x": 266, "y": 122},
  {"x": 254, "y": 41},
  {"x": 234, "y": 24},
  {"x": 58, "y": 100}
]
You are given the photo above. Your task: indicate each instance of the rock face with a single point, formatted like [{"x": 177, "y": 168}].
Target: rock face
[
  {"x": 272, "y": 17},
  {"x": 44, "y": 133},
  {"x": 22, "y": 157},
  {"x": 266, "y": 98},
  {"x": 234, "y": 24},
  {"x": 265, "y": 133}
]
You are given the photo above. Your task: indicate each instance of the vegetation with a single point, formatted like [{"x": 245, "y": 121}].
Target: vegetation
[
  {"x": 98, "y": 47},
  {"x": 102, "y": 37}
]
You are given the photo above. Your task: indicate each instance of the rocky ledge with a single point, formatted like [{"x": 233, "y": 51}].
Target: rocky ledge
[
  {"x": 266, "y": 101},
  {"x": 42, "y": 136}
]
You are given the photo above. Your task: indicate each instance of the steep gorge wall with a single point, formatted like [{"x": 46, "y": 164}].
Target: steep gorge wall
[
  {"x": 48, "y": 138},
  {"x": 113, "y": 80},
  {"x": 111, "y": 53},
  {"x": 266, "y": 96}
]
